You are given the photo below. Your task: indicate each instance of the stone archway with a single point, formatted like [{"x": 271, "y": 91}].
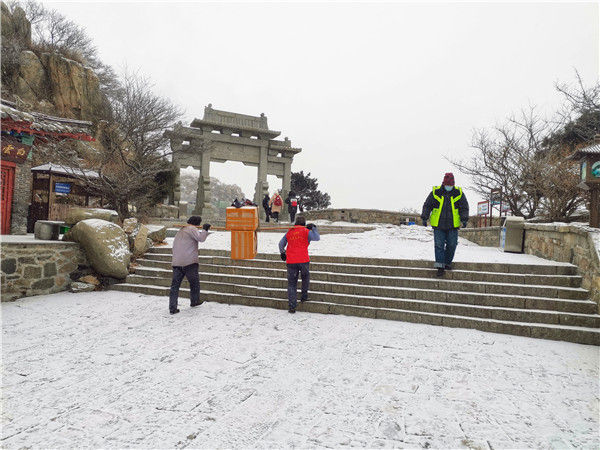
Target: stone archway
[{"x": 222, "y": 136}]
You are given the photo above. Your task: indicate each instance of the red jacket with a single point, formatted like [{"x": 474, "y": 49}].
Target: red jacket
[{"x": 297, "y": 245}]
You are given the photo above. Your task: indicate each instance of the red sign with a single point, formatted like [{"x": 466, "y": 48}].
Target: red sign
[{"x": 13, "y": 150}]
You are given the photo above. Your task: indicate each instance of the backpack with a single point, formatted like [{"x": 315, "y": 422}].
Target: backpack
[{"x": 277, "y": 201}]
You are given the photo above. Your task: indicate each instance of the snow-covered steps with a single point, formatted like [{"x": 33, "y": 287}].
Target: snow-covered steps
[
  {"x": 578, "y": 334},
  {"x": 541, "y": 300}
]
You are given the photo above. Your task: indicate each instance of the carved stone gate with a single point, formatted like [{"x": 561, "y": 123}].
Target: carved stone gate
[{"x": 225, "y": 136}]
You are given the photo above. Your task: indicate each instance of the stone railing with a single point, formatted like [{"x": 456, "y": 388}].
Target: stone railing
[
  {"x": 38, "y": 267},
  {"x": 576, "y": 244},
  {"x": 361, "y": 216}
]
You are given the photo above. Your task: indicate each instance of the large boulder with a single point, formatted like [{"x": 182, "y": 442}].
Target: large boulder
[
  {"x": 141, "y": 242},
  {"x": 75, "y": 215},
  {"x": 158, "y": 233},
  {"x": 105, "y": 244}
]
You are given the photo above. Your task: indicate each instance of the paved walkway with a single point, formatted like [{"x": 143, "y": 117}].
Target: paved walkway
[{"x": 114, "y": 370}]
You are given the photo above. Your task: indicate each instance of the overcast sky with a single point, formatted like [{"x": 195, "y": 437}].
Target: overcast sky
[{"x": 375, "y": 94}]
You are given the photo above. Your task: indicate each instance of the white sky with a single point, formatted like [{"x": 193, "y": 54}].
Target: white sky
[{"x": 375, "y": 93}]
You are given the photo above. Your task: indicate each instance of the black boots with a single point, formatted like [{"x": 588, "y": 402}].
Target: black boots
[{"x": 440, "y": 272}]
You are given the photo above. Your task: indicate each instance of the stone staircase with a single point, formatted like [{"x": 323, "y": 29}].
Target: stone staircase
[{"x": 541, "y": 301}]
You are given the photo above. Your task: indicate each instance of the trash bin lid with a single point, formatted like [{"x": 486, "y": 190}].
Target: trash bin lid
[{"x": 514, "y": 222}]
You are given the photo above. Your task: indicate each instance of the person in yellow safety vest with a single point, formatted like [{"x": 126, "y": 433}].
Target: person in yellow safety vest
[{"x": 447, "y": 209}]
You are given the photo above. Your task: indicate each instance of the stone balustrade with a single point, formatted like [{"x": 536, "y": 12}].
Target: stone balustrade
[{"x": 361, "y": 216}]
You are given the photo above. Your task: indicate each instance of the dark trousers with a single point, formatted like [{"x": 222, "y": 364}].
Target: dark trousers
[
  {"x": 191, "y": 273},
  {"x": 292, "y": 214},
  {"x": 445, "y": 242},
  {"x": 268, "y": 213},
  {"x": 276, "y": 216},
  {"x": 293, "y": 270}
]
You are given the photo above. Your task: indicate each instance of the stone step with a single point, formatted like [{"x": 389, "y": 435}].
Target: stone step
[
  {"x": 363, "y": 284},
  {"x": 222, "y": 264},
  {"x": 538, "y": 269},
  {"x": 583, "y": 335},
  {"x": 328, "y": 291}
]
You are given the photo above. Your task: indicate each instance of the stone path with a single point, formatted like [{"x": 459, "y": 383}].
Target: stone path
[{"x": 111, "y": 369}]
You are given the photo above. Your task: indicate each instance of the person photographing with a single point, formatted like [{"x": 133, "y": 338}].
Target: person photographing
[
  {"x": 297, "y": 240},
  {"x": 185, "y": 261}
]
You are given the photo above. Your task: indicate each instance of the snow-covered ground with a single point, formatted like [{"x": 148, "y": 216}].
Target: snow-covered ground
[
  {"x": 110, "y": 369},
  {"x": 385, "y": 241}
]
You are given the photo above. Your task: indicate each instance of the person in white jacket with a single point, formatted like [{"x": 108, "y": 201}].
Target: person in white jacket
[{"x": 185, "y": 261}]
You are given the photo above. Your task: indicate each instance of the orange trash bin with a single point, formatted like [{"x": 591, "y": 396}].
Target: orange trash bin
[
  {"x": 241, "y": 219},
  {"x": 243, "y": 244}
]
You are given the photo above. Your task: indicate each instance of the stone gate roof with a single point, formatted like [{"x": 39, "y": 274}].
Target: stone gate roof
[{"x": 215, "y": 119}]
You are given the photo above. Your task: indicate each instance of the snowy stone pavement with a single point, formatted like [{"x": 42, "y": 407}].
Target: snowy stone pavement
[{"x": 110, "y": 369}]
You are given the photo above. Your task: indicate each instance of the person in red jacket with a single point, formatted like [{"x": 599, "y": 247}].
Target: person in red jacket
[{"x": 297, "y": 240}]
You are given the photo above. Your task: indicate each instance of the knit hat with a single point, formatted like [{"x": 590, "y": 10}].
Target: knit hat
[{"x": 448, "y": 179}]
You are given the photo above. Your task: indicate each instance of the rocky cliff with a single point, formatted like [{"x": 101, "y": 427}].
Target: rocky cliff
[{"x": 46, "y": 82}]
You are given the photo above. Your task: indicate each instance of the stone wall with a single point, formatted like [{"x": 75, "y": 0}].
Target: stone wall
[
  {"x": 576, "y": 244},
  {"x": 21, "y": 198},
  {"x": 485, "y": 236},
  {"x": 38, "y": 268},
  {"x": 361, "y": 216}
]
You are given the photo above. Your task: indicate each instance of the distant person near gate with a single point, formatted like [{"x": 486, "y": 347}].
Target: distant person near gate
[
  {"x": 185, "y": 261},
  {"x": 276, "y": 204},
  {"x": 292, "y": 203},
  {"x": 266, "y": 206},
  {"x": 447, "y": 208},
  {"x": 297, "y": 240}
]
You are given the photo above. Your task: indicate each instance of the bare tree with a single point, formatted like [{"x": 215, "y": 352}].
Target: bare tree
[
  {"x": 527, "y": 156},
  {"x": 507, "y": 157},
  {"x": 131, "y": 149},
  {"x": 579, "y": 118}
]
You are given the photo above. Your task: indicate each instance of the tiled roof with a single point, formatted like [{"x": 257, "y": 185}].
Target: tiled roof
[
  {"x": 42, "y": 122},
  {"x": 64, "y": 170}
]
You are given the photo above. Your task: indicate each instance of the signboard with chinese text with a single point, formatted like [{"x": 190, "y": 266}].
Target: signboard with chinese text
[{"x": 13, "y": 150}]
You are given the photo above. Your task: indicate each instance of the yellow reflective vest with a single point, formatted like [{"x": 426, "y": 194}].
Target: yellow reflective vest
[{"x": 434, "y": 219}]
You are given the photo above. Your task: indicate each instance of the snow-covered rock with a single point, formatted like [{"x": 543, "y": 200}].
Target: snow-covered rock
[
  {"x": 141, "y": 241},
  {"x": 130, "y": 225},
  {"x": 105, "y": 244},
  {"x": 78, "y": 214},
  {"x": 158, "y": 233},
  {"x": 76, "y": 286}
]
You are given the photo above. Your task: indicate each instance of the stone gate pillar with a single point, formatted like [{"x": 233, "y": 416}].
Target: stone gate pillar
[
  {"x": 262, "y": 187},
  {"x": 203, "y": 205},
  {"x": 286, "y": 185}
]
